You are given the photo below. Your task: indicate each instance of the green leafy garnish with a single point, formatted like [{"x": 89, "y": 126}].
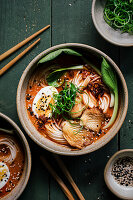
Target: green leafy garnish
[
  {"x": 109, "y": 78},
  {"x": 65, "y": 100},
  {"x": 55, "y": 54},
  {"x": 53, "y": 77},
  {"x": 119, "y": 14}
]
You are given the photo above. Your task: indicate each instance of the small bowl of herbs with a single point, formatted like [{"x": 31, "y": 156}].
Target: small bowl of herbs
[
  {"x": 118, "y": 174},
  {"x": 113, "y": 19}
]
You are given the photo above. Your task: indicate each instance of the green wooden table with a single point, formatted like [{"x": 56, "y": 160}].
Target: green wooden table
[{"x": 70, "y": 22}]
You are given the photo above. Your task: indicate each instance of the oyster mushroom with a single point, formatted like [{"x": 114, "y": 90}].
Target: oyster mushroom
[
  {"x": 76, "y": 135},
  {"x": 92, "y": 119}
]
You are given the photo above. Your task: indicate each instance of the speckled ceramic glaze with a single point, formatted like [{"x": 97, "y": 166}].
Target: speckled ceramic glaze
[
  {"x": 16, "y": 192},
  {"x": 108, "y": 33},
  {"x": 46, "y": 143},
  {"x": 122, "y": 192}
]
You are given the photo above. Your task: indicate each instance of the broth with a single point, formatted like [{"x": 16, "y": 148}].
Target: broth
[{"x": 98, "y": 93}]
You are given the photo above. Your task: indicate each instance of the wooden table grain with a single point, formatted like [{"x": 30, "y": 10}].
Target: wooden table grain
[{"x": 70, "y": 22}]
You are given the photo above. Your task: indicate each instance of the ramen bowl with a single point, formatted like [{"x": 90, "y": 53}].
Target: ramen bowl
[
  {"x": 6, "y": 124},
  {"x": 94, "y": 55}
]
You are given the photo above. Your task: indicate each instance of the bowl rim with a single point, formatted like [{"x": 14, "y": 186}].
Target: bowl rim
[
  {"x": 27, "y": 150},
  {"x": 101, "y": 33},
  {"x": 112, "y": 159},
  {"x": 37, "y": 58}
]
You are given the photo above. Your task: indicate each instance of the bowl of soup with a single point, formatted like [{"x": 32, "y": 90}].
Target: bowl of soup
[
  {"x": 72, "y": 99},
  {"x": 15, "y": 159}
]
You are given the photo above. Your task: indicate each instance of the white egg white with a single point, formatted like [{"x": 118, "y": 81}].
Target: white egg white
[
  {"x": 42, "y": 100},
  {"x": 4, "y": 174}
]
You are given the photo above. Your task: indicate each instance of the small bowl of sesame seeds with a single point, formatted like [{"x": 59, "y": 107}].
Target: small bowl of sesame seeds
[{"x": 118, "y": 174}]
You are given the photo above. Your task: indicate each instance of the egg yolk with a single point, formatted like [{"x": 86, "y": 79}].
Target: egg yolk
[
  {"x": 3, "y": 172},
  {"x": 42, "y": 106}
]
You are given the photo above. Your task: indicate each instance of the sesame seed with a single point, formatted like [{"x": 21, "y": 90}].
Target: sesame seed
[{"x": 122, "y": 171}]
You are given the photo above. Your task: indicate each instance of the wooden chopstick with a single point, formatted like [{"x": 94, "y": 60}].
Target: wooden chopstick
[
  {"x": 69, "y": 177},
  {"x": 57, "y": 178},
  {"x": 10, "y": 51},
  {"x": 12, "y": 62}
]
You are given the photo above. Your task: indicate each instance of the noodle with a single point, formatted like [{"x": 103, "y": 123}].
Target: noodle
[{"x": 12, "y": 147}]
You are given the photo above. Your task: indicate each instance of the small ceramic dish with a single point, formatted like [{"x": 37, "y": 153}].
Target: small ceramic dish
[
  {"x": 44, "y": 142},
  {"x": 108, "y": 33},
  {"x": 123, "y": 192},
  {"x": 7, "y": 123}
]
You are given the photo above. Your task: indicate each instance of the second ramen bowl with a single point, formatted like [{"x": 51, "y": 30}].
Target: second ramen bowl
[
  {"x": 9, "y": 125},
  {"x": 49, "y": 145}
]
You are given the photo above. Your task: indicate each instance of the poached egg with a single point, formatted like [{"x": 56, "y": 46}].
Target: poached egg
[
  {"x": 42, "y": 100},
  {"x": 4, "y": 174}
]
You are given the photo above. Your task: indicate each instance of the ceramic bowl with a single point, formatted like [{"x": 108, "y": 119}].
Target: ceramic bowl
[
  {"x": 108, "y": 33},
  {"x": 7, "y": 123},
  {"x": 46, "y": 143},
  {"x": 123, "y": 192}
]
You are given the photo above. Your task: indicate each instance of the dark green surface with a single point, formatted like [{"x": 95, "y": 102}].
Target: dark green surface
[{"x": 70, "y": 22}]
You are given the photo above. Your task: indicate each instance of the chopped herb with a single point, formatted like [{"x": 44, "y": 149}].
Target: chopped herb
[
  {"x": 65, "y": 100},
  {"x": 119, "y": 15}
]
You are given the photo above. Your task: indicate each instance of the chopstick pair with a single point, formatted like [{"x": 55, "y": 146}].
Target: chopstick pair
[
  {"x": 19, "y": 45},
  {"x": 59, "y": 180}
]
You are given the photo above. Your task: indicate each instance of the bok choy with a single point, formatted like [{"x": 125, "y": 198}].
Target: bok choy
[{"x": 109, "y": 78}]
